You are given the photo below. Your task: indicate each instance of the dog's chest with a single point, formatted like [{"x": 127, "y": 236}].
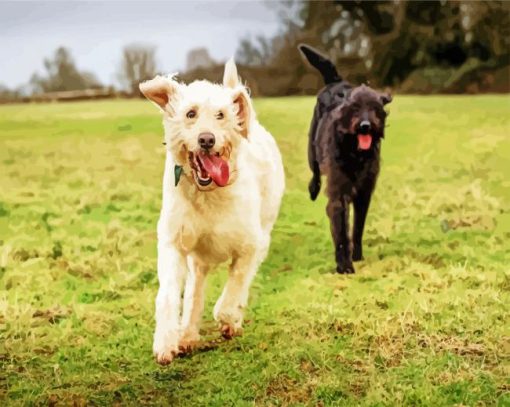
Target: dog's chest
[
  {"x": 212, "y": 232},
  {"x": 356, "y": 172}
]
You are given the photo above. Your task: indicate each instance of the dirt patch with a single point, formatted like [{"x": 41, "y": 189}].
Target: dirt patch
[
  {"x": 53, "y": 316},
  {"x": 356, "y": 365},
  {"x": 452, "y": 344},
  {"x": 389, "y": 350},
  {"x": 289, "y": 391}
]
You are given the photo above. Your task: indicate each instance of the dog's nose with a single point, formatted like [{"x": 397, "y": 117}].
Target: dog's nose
[
  {"x": 206, "y": 140},
  {"x": 364, "y": 127}
]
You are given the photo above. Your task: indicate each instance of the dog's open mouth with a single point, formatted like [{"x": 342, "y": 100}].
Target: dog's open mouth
[
  {"x": 364, "y": 141},
  {"x": 209, "y": 167}
]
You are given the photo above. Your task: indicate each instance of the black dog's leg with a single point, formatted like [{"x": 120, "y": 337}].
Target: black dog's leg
[
  {"x": 361, "y": 203},
  {"x": 338, "y": 212},
  {"x": 314, "y": 186}
]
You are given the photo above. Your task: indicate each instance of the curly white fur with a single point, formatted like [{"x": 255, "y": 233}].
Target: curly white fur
[{"x": 200, "y": 227}]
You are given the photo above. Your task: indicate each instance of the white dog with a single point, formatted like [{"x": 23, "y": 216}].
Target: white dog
[{"x": 222, "y": 189}]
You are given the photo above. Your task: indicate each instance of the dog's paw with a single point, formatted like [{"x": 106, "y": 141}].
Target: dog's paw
[
  {"x": 357, "y": 256},
  {"x": 188, "y": 341},
  {"x": 345, "y": 269},
  {"x": 230, "y": 321},
  {"x": 165, "y": 356},
  {"x": 228, "y": 331},
  {"x": 314, "y": 187},
  {"x": 357, "y": 253},
  {"x": 165, "y": 348}
]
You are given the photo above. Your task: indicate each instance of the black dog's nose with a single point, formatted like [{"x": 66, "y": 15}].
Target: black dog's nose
[
  {"x": 206, "y": 140},
  {"x": 364, "y": 127}
]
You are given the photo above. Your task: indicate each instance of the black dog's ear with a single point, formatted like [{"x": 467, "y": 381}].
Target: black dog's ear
[{"x": 385, "y": 98}]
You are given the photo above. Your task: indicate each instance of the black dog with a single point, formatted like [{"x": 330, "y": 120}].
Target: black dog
[{"x": 345, "y": 144}]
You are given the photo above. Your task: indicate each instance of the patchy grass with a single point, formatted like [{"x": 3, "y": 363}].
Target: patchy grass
[{"x": 423, "y": 322}]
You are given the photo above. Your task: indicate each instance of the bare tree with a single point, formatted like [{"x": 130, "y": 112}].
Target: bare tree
[
  {"x": 138, "y": 64},
  {"x": 199, "y": 58}
]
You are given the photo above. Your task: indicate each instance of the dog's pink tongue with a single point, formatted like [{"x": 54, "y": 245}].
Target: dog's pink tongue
[
  {"x": 364, "y": 141},
  {"x": 216, "y": 167}
]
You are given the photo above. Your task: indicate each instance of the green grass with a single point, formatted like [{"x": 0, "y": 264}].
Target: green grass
[{"x": 424, "y": 321}]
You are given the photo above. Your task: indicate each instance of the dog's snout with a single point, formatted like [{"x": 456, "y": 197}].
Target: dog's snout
[
  {"x": 206, "y": 140},
  {"x": 364, "y": 127}
]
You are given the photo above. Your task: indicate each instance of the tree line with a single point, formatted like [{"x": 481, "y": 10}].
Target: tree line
[
  {"x": 450, "y": 46},
  {"x": 413, "y": 46},
  {"x": 138, "y": 63}
]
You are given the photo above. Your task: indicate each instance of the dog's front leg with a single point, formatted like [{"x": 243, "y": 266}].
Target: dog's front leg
[
  {"x": 172, "y": 268},
  {"x": 338, "y": 212},
  {"x": 193, "y": 305},
  {"x": 361, "y": 203},
  {"x": 229, "y": 308}
]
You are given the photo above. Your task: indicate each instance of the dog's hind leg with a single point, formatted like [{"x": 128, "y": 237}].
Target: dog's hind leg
[
  {"x": 193, "y": 305},
  {"x": 314, "y": 186},
  {"x": 229, "y": 309},
  {"x": 361, "y": 203},
  {"x": 172, "y": 268},
  {"x": 338, "y": 212}
]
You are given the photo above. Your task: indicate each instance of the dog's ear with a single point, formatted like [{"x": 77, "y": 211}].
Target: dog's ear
[
  {"x": 240, "y": 97},
  {"x": 243, "y": 109},
  {"x": 385, "y": 98},
  {"x": 160, "y": 90},
  {"x": 230, "y": 78}
]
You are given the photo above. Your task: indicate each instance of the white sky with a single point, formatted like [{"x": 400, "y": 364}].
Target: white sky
[{"x": 97, "y": 31}]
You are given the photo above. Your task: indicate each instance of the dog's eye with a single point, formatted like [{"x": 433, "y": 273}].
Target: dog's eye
[
  {"x": 220, "y": 115},
  {"x": 191, "y": 114}
]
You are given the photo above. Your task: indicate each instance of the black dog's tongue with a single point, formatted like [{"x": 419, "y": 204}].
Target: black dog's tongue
[
  {"x": 216, "y": 167},
  {"x": 364, "y": 141}
]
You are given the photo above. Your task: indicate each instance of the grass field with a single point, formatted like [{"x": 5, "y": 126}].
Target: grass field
[{"x": 424, "y": 321}]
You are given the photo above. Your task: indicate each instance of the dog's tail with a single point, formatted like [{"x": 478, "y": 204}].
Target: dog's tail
[{"x": 321, "y": 63}]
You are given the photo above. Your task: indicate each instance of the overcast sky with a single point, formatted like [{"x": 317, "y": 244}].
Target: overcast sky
[{"x": 96, "y": 32}]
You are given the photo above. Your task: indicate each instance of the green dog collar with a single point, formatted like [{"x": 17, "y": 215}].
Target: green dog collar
[{"x": 177, "y": 173}]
